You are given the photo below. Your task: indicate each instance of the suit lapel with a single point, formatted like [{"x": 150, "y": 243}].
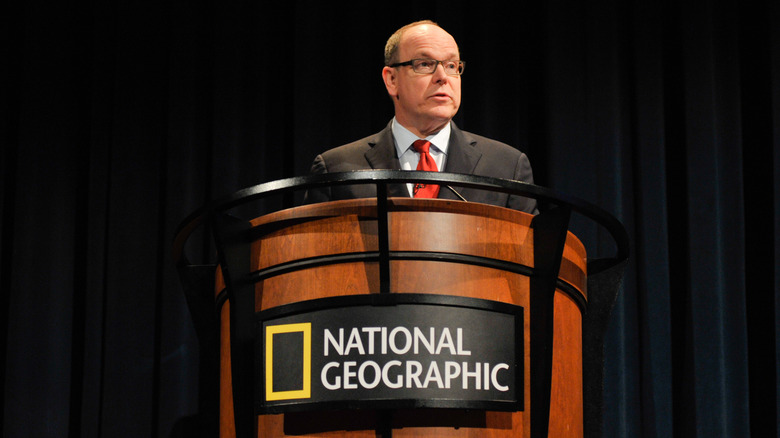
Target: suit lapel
[
  {"x": 462, "y": 156},
  {"x": 382, "y": 155}
]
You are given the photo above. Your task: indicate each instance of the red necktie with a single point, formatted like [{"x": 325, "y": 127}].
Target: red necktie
[{"x": 426, "y": 163}]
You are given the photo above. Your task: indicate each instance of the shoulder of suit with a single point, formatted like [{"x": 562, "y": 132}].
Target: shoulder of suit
[
  {"x": 362, "y": 144},
  {"x": 352, "y": 147},
  {"x": 485, "y": 143}
]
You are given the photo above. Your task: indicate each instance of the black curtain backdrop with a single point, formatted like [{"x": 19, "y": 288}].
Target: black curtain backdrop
[{"x": 119, "y": 118}]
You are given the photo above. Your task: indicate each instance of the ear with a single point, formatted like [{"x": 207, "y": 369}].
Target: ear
[{"x": 389, "y": 75}]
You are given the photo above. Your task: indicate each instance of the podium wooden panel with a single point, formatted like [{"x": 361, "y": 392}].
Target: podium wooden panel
[{"x": 431, "y": 226}]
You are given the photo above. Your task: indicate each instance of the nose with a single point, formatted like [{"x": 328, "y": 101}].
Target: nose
[{"x": 439, "y": 75}]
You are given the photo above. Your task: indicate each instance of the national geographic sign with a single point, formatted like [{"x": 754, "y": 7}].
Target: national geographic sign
[{"x": 390, "y": 351}]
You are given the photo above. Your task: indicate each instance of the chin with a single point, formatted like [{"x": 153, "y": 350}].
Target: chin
[
  {"x": 444, "y": 117},
  {"x": 443, "y": 113}
]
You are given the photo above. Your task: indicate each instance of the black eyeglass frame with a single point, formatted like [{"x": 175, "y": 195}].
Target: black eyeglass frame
[{"x": 461, "y": 65}]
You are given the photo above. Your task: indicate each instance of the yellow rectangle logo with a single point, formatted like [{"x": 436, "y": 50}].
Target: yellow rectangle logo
[{"x": 270, "y": 331}]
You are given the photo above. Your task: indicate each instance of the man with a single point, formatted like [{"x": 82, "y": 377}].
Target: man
[{"x": 422, "y": 75}]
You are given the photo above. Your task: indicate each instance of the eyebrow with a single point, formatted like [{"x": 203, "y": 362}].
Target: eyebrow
[{"x": 427, "y": 55}]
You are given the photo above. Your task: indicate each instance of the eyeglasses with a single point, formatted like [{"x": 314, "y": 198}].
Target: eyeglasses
[{"x": 428, "y": 66}]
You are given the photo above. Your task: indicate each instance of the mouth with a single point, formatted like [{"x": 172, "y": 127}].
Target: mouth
[{"x": 440, "y": 96}]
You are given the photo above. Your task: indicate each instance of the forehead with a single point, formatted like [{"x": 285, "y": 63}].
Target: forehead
[{"x": 428, "y": 40}]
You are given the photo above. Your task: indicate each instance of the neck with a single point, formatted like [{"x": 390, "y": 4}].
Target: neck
[{"x": 423, "y": 131}]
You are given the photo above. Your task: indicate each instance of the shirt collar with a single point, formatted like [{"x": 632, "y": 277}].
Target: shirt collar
[{"x": 404, "y": 138}]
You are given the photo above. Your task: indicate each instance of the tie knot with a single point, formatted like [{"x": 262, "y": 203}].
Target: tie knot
[{"x": 421, "y": 146}]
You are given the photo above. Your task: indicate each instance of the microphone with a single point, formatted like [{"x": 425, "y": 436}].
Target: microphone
[{"x": 456, "y": 193}]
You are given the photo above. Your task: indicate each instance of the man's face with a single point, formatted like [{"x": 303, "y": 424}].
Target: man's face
[{"x": 424, "y": 103}]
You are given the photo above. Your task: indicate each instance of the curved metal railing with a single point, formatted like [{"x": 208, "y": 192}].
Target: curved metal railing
[{"x": 382, "y": 178}]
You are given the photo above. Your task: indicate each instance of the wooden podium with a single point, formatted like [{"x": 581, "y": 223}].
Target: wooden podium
[{"x": 375, "y": 249}]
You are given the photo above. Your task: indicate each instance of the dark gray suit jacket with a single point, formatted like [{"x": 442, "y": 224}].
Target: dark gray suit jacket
[{"x": 467, "y": 154}]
